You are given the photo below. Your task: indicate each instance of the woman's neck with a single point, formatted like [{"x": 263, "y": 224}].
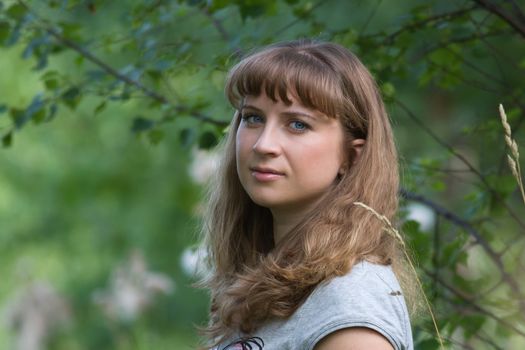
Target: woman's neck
[{"x": 284, "y": 220}]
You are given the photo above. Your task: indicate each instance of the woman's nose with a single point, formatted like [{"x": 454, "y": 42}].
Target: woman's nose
[{"x": 268, "y": 142}]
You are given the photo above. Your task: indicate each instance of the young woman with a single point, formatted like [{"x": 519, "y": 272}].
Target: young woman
[{"x": 296, "y": 264}]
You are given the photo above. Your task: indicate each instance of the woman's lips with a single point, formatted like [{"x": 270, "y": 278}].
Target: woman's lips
[{"x": 266, "y": 175}]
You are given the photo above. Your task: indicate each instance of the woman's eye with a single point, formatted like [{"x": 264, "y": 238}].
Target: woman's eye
[
  {"x": 298, "y": 125},
  {"x": 252, "y": 119}
]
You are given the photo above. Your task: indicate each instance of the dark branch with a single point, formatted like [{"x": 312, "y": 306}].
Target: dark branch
[
  {"x": 504, "y": 15},
  {"x": 449, "y": 148},
  {"x": 496, "y": 258},
  {"x": 474, "y": 305},
  {"x": 370, "y": 17},
  {"x": 471, "y": 82},
  {"x": 297, "y": 20},
  {"x": 437, "y": 18},
  {"x": 222, "y": 31},
  {"x": 456, "y": 220},
  {"x": 125, "y": 79},
  {"x": 457, "y": 40}
]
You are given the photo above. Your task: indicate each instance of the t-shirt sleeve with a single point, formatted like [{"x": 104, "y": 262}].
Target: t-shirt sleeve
[{"x": 369, "y": 297}]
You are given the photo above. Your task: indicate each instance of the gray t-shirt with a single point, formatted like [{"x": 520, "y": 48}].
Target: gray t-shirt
[{"x": 369, "y": 296}]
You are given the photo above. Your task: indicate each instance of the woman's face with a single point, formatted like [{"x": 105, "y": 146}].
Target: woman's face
[{"x": 287, "y": 156}]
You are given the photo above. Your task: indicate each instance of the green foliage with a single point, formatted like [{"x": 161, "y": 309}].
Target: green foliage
[{"x": 109, "y": 101}]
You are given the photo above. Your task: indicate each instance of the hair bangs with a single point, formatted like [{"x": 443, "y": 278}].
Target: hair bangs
[{"x": 281, "y": 73}]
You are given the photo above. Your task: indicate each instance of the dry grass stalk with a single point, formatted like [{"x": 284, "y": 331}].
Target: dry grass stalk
[
  {"x": 395, "y": 233},
  {"x": 513, "y": 157}
]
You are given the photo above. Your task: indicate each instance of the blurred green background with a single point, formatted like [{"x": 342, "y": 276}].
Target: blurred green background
[
  {"x": 78, "y": 195},
  {"x": 106, "y": 153}
]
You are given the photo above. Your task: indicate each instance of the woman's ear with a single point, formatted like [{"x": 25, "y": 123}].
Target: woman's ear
[{"x": 357, "y": 146}]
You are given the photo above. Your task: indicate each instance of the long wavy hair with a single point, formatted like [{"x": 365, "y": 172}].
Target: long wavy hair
[{"x": 252, "y": 280}]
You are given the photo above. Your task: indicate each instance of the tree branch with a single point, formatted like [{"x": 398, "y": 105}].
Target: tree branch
[
  {"x": 505, "y": 16},
  {"x": 238, "y": 52},
  {"x": 463, "y": 159},
  {"x": 125, "y": 79},
  {"x": 456, "y": 220},
  {"x": 458, "y": 40},
  {"x": 370, "y": 17},
  {"x": 436, "y": 18},
  {"x": 474, "y": 305},
  {"x": 471, "y": 82},
  {"x": 490, "y": 252},
  {"x": 297, "y": 20}
]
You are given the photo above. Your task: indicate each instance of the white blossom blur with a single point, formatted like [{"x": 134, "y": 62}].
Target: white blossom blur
[
  {"x": 132, "y": 289},
  {"x": 35, "y": 314},
  {"x": 193, "y": 261},
  {"x": 421, "y": 214},
  {"x": 204, "y": 165}
]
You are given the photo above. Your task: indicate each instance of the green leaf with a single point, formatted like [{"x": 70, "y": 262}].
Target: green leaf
[
  {"x": 53, "y": 3},
  {"x": 187, "y": 137},
  {"x": 154, "y": 74},
  {"x": 416, "y": 237},
  {"x": 208, "y": 140},
  {"x": 71, "y": 97},
  {"x": 348, "y": 38},
  {"x": 453, "y": 252},
  {"x": 472, "y": 324},
  {"x": 257, "y": 8},
  {"x": 439, "y": 186},
  {"x": 155, "y": 136},
  {"x": 7, "y": 139},
  {"x": 427, "y": 344},
  {"x": 142, "y": 124},
  {"x": 100, "y": 108},
  {"x": 39, "y": 116},
  {"x": 16, "y": 12},
  {"x": 388, "y": 90},
  {"x": 70, "y": 30},
  {"x": 3, "y": 109},
  {"x": 51, "y": 84},
  {"x": 53, "y": 108},
  {"x": 4, "y": 31},
  {"x": 21, "y": 117},
  {"x": 503, "y": 184}
]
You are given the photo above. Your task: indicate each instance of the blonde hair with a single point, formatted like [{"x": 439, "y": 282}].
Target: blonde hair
[{"x": 252, "y": 280}]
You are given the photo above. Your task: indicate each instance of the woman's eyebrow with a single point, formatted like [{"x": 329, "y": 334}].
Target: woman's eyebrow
[
  {"x": 250, "y": 107},
  {"x": 291, "y": 113},
  {"x": 298, "y": 113}
]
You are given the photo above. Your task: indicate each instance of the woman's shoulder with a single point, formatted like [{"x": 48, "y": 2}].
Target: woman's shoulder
[
  {"x": 366, "y": 283},
  {"x": 368, "y": 296},
  {"x": 363, "y": 277}
]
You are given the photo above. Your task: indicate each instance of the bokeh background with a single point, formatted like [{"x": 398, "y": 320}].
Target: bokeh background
[{"x": 109, "y": 115}]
